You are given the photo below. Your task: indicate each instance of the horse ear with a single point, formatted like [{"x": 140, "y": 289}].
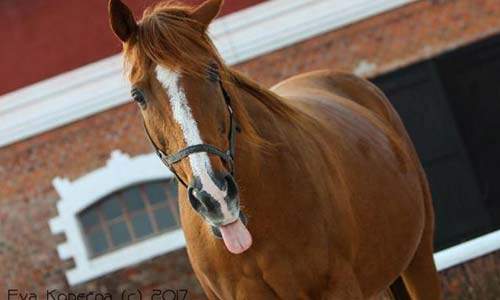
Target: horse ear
[
  {"x": 122, "y": 20},
  {"x": 207, "y": 11}
]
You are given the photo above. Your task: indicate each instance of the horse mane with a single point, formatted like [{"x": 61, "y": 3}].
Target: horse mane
[{"x": 168, "y": 36}]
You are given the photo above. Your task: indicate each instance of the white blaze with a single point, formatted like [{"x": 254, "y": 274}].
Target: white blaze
[{"x": 200, "y": 163}]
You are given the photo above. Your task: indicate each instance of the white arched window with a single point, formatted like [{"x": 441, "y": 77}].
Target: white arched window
[{"x": 117, "y": 216}]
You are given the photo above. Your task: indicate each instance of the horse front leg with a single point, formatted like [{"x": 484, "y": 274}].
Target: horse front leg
[{"x": 253, "y": 288}]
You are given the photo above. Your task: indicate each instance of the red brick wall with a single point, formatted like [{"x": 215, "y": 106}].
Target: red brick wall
[{"x": 28, "y": 258}]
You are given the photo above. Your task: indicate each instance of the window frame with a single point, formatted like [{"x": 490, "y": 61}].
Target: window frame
[{"x": 120, "y": 171}]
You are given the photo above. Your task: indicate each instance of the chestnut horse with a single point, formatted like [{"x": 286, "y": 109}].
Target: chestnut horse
[{"x": 314, "y": 186}]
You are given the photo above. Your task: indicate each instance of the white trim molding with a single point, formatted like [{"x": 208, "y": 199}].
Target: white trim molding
[
  {"x": 119, "y": 172},
  {"x": 240, "y": 36},
  {"x": 469, "y": 250}
]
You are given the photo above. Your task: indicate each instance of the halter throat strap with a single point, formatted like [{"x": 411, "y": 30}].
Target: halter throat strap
[{"x": 226, "y": 156}]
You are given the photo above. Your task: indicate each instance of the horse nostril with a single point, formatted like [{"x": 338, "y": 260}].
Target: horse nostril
[
  {"x": 232, "y": 187},
  {"x": 193, "y": 200},
  {"x": 209, "y": 203},
  {"x": 199, "y": 198}
]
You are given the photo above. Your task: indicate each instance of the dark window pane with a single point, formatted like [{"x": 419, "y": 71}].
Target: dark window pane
[
  {"x": 142, "y": 225},
  {"x": 97, "y": 242},
  {"x": 156, "y": 192},
  {"x": 119, "y": 233},
  {"x": 176, "y": 204},
  {"x": 164, "y": 218},
  {"x": 133, "y": 199},
  {"x": 173, "y": 188},
  {"x": 111, "y": 208},
  {"x": 89, "y": 218}
]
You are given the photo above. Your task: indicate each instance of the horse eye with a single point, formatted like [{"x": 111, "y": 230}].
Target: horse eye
[
  {"x": 138, "y": 97},
  {"x": 213, "y": 72}
]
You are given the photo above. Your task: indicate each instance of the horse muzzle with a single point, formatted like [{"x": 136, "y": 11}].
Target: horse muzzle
[{"x": 217, "y": 202}]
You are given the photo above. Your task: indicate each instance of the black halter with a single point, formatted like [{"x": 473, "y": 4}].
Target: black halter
[{"x": 227, "y": 156}]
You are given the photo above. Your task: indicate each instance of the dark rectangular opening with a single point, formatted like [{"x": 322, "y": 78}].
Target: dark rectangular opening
[
  {"x": 451, "y": 108},
  {"x": 471, "y": 80}
]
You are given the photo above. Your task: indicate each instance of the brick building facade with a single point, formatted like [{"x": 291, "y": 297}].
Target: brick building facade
[{"x": 370, "y": 47}]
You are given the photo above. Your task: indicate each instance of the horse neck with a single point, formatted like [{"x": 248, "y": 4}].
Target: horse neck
[
  {"x": 294, "y": 168},
  {"x": 287, "y": 142},
  {"x": 268, "y": 124}
]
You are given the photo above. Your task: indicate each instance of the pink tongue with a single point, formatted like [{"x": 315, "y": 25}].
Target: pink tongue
[{"x": 236, "y": 237}]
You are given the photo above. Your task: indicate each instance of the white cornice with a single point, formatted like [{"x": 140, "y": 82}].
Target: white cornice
[
  {"x": 239, "y": 36},
  {"x": 61, "y": 100}
]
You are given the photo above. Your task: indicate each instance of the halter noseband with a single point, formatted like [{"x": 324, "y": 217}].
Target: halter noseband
[{"x": 227, "y": 156}]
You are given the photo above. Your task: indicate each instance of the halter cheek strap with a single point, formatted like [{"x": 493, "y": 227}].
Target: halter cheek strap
[{"x": 226, "y": 156}]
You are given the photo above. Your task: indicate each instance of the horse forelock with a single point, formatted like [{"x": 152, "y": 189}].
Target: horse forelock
[{"x": 169, "y": 37}]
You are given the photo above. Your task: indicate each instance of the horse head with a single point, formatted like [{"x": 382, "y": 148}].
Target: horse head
[{"x": 177, "y": 80}]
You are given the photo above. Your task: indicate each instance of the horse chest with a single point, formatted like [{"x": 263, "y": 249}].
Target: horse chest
[{"x": 264, "y": 272}]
